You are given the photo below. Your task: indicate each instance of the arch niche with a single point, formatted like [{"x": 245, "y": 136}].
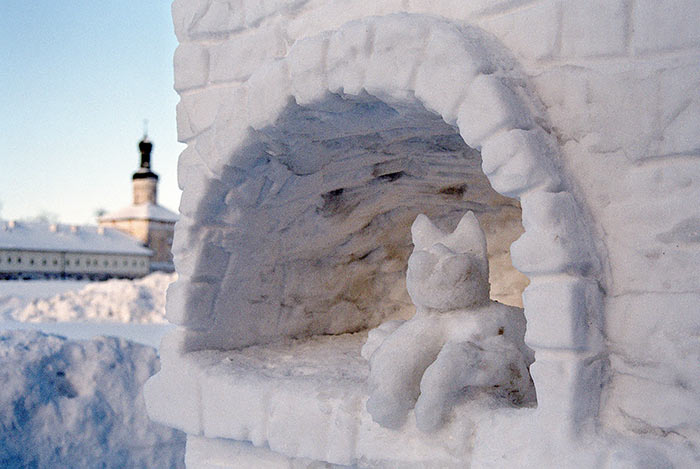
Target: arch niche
[{"x": 245, "y": 178}]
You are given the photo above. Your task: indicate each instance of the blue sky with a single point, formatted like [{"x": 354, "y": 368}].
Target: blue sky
[{"x": 76, "y": 81}]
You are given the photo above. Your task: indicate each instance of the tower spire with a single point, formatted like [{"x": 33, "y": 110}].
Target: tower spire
[{"x": 145, "y": 181}]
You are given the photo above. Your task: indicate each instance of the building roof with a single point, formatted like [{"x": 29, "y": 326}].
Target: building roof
[
  {"x": 142, "y": 212},
  {"x": 38, "y": 236}
]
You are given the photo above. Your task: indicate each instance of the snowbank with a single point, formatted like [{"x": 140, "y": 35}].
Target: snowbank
[
  {"x": 139, "y": 301},
  {"x": 16, "y": 294},
  {"x": 79, "y": 404}
]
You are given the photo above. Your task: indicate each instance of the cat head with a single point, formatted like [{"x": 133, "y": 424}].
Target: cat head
[{"x": 448, "y": 271}]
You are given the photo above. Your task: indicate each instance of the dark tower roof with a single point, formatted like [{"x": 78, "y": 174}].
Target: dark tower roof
[{"x": 144, "y": 171}]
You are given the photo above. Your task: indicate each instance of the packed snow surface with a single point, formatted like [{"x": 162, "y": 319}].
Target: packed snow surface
[
  {"x": 78, "y": 404},
  {"x": 140, "y": 301}
]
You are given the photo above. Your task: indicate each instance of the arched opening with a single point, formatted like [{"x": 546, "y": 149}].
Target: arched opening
[
  {"x": 316, "y": 224},
  {"x": 295, "y": 214}
]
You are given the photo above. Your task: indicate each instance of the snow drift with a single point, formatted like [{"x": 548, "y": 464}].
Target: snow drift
[
  {"x": 79, "y": 404},
  {"x": 139, "y": 301}
]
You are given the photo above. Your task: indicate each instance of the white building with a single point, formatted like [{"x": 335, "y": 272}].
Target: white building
[
  {"x": 34, "y": 249},
  {"x": 144, "y": 219}
]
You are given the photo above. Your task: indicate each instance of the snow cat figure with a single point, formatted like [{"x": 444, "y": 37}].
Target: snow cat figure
[{"x": 459, "y": 343}]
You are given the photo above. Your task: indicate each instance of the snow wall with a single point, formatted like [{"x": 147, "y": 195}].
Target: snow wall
[{"x": 585, "y": 112}]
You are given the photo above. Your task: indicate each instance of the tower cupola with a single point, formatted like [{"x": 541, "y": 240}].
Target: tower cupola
[{"x": 145, "y": 181}]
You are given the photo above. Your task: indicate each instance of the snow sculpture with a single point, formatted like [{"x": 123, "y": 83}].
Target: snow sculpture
[
  {"x": 585, "y": 112},
  {"x": 458, "y": 342}
]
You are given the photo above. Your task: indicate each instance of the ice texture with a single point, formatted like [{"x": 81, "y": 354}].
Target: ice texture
[
  {"x": 458, "y": 343},
  {"x": 78, "y": 404}
]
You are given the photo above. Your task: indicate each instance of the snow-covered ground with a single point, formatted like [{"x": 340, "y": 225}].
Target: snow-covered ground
[
  {"x": 132, "y": 309},
  {"x": 76, "y": 401},
  {"x": 77, "y": 404},
  {"x": 16, "y": 294},
  {"x": 140, "y": 301}
]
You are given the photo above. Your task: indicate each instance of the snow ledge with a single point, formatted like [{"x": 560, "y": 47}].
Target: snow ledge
[{"x": 305, "y": 399}]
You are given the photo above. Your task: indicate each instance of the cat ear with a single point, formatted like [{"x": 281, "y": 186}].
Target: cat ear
[
  {"x": 468, "y": 236},
  {"x": 424, "y": 233}
]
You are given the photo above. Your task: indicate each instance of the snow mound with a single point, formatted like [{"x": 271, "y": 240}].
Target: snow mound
[
  {"x": 79, "y": 404},
  {"x": 139, "y": 301}
]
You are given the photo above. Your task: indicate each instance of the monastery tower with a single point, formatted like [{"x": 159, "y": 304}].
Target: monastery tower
[{"x": 145, "y": 220}]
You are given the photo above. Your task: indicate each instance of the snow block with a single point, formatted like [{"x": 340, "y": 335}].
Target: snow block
[
  {"x": 211, "y": 453},
  {"x": 397, "y": 50},
  {"x": 237, "y": 58},
  {"x": 190, "y": 162},
  {"x": 269, "y": 93},
  {"x": 334, "y": 14},
  {"x": 519, "y": 160},
  {"x": 655, "y": 357},
  {"x": 348, "y": 50},
  {"x": 563, "y": 313},
  {"x": 643, "y": 404},
  {"x": 458, "y": 8},
  {"x": 173, "y": 398},
  {"x": 219, "y": 18},
  {"x": 231, "y": 128},
  {"x": 568, "y": 390},
  {"x": 680, "y": 133},
  {"x": 201, "y": 196},
  {"x": 307, "y": 67},
  {"x": 257, "y": 11},
  {"x": 234, "y": 416},
  {"x": 530, "y": 31},
  {"x": 555, "y": 239},
  {"x": 447, "y": 50},
  {"x": 594, "y": 28},
  {"x": 665, "y": 26},
  {"x": 185, "y": 13},
  {"x": 191, "y": 64},
  {"x": 185, "y": 132},
  {"x": 191, "y": 303},
  {"x": 490, "y": 106},
  {"x": 329, "y": 420},
  {"x": 668, "y": 322},
  {"x": 196, "y": 112},
  {"x": 204, "y": 257},
  {"x": 662, "y": 256}
]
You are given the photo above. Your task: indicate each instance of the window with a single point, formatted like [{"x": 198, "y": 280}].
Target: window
[
  {"x": 77, "y": 262},
  {"x": 55, "y": 262},
  {"x": 105, "y": 263},
  {"x": 19, "y": 260},
  {"x": 43, "y": 262},
  {"x": 126, "y": 262},
  {"x": 31, "y": 261},
  {"x": 9, "y": 260},
  {"x": 67, "y": 262},
  {"x": 114, "y": 263}
]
